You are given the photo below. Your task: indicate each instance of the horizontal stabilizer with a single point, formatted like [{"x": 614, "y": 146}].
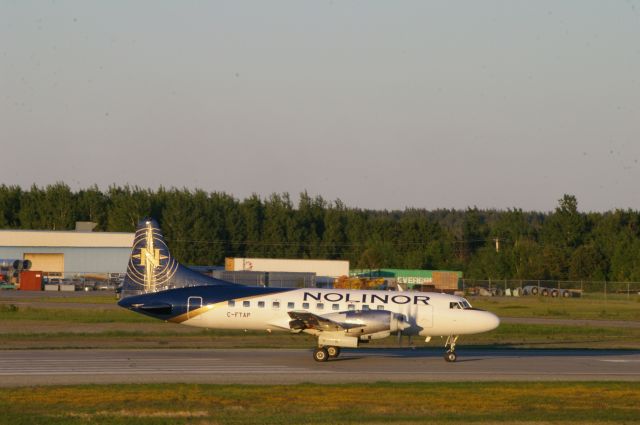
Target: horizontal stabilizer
[{"x": 159, "y": 308}]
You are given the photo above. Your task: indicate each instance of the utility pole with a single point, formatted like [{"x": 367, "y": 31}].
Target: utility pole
[{"x": 497, "y": 241}]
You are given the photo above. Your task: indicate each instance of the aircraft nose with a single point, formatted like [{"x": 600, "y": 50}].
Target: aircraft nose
[{"x": 491, "y": 321}]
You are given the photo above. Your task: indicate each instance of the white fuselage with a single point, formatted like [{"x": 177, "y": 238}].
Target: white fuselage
[{"x": 428, "y": 314}]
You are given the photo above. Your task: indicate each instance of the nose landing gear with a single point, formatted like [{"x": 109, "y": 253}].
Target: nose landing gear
[{"x": 450, "y": 356}]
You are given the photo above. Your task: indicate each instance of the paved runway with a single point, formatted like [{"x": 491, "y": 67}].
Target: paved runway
[{"x": 274, "y": 366}]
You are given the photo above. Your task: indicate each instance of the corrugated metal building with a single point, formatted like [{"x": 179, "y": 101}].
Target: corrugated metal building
[
  {"x": 326, "y": 268},
  {"x": 68, "y": 253},
  {"x": 269, "y": 279}
]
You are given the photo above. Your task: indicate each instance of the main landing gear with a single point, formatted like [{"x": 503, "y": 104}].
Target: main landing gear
[
  {"x": 450, "y": 346},
  {"x": 333, "y": 351},
  {"x": 322, "y": 354}
]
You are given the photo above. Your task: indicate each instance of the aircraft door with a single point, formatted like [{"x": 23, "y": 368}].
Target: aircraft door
[{"x": 193, "y": 303}]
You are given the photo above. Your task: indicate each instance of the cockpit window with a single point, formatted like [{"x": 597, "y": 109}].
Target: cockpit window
[{"x": 464, "y": 305}]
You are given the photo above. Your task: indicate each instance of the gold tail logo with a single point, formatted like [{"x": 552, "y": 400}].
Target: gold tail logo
[{"x": 151, "y": 266}]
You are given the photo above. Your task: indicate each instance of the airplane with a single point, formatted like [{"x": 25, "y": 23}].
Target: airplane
[{"x": 157, "y": 285}]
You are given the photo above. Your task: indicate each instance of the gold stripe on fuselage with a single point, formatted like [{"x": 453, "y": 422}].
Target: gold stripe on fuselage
[{"x": 194, "y": 313}]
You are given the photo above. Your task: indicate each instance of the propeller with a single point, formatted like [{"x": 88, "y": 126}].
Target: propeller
[{"x": 402, "y": 325}]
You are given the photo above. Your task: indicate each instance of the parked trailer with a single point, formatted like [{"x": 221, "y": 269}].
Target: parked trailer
[
  {"x": 499, "y": 291},
  {"x": 551, "y": 292}
]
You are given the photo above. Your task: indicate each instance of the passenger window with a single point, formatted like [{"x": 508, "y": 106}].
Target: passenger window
[
  {"x": 291, "y": 305},
  {"x": 365, "y": 307},
  {"x": 231, "y": 303},
  {"x": 335, "y": 306},
  {"x": 351, "y": 307},
  {"x": 305, "y": 306},
  {"x": 246, "y": 303},
  {"x": 320, "y": 306},
  {"x": 380, "y": 307},
  {"x": 454, "y": 305},
  {"x": 261, "y": 304},
  {"x": 276, "y": 304}
]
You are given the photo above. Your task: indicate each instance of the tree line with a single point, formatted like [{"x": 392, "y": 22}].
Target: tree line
[{"x": 204, "y": 227}]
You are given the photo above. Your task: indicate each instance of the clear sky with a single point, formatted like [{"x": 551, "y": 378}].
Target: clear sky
[{"x": 383, "y": 104}]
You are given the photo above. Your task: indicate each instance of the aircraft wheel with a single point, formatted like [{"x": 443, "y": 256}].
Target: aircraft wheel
[
  {"x": 320, "y": 354},
  {"x": 333, "y": 351},
  {"x": 450, "y": 356}
]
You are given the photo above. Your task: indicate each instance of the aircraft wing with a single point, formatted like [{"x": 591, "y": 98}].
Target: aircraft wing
[{"x": 305, "y": 320}]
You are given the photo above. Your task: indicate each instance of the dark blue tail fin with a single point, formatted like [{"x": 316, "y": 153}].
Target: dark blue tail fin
[{"x": 152, "y": 268}]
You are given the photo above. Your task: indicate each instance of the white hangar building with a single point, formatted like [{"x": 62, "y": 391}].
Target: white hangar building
[{"x": 68, "y": 253}]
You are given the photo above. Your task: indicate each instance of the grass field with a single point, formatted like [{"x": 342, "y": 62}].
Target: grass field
[
  {"x": 616, "y": 307},
  {"x": 382, "y": 403},
  {"x": 77, "y": 315}
]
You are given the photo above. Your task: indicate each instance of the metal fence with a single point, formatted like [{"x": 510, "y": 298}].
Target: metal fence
[
  {"x": 552, "y": 288},
  {"x": 270, "y": 279}
]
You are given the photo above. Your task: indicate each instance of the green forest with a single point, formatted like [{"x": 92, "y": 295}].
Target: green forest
[{"x": 202, "y": 228}]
